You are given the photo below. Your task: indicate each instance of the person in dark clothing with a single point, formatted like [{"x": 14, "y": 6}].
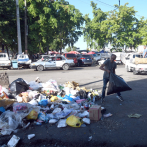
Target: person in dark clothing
[{"x": 109, "y": 66}]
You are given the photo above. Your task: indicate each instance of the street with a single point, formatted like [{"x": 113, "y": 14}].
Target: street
[{"x": 117, "y": 130}]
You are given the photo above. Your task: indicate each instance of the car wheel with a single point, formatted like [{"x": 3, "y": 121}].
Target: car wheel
[
  {"x": 40, "y": 68},
  {"x": 65, "y": 67},
  {"x": 97, "y": 62},
  {"x": 135, "y": 72},
  {"x": 128, "y": 69}
]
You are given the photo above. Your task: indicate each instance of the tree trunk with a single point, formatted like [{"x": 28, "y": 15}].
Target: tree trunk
[
  {"x": 2, "y": 48},
  {"x": 7, "y": 50}
]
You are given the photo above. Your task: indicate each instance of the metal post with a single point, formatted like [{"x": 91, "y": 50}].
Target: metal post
[
  {"x": 119, "y": 2},
  {"x": 18, "y": 28},
  {"x": 26, "y": 32}
]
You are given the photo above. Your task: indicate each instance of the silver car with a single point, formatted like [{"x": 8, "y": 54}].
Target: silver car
[{"x": 53, "y": 62}]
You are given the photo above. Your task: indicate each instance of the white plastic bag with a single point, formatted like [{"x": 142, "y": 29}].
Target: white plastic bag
[
  {"x": 86, "y": 120},
  {"x": 84, "y": 114},
  {"x": 33, "y": 102},
  {"x": 57, "y": 110},
  {"x": 52, "y": 121},
  {"x": 50, "y": 85},
  {"x": 9, "y": 121},
  {"x": 62, "y": 123},
  {"x": 34, "y": 85}
]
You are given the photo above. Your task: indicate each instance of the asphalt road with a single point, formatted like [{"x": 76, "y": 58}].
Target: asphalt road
[{"x": 118, "y": 130}]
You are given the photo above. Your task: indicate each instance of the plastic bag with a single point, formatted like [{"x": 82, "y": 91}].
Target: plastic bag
[
  {"x": 43, "y": 102},
  {"x": 20, "y": 107},
  {"x": 34, "y": 85},
  {"x": 50, "y": 85},
  {"x": 9, "y": 122},
  {"x": 86, "y": 120},
  {"x": 33, "y": 102},
  {"x": 84, "y": 114},
  {"x": 53, "y": 98},
  {"x": 32, "y": 115},
  {"x": 117, "y": 84},
  {"x": 23, "y": 109},
  {"x": 18, "y": 86},
  {"x": 52, "y": 121},
  {"x": 57, "y": 110},
  {"x": 62, "y": 123},
  {"x": 74, "y": 121}
]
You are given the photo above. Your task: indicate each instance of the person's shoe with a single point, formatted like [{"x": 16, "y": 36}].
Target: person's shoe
[
  {"x": 120, "y": 98},
  {"x": 102, "y": 100}
]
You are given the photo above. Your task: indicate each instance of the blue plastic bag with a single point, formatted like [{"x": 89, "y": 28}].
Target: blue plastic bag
[
  {"x": 43, "y": 102},
  {"x": 2, "y": 109}
]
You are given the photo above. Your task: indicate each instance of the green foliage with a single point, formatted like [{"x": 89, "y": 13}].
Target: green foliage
[
  {"x": 71, "y": 49},
  {"x": 51, "y": 24},
  {"x": 119, "y": 27}
]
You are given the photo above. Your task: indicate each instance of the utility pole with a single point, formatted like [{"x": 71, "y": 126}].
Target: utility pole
[
  {"x": 26, "y": 29},
  {"x": 18, "y": 28},
  {"x": 119, "y": 2}
]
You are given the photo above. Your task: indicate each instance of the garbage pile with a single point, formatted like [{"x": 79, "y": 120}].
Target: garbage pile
[{"x": 36, "y": 102}]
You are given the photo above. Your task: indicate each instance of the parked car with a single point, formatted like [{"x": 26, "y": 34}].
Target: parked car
[
  {"x": 86, "y": 60},
  {"x": 43, "y": 57},
  {"x": 53, "y": 62},
  {"x": 136, "y": 68},
  {"x": 4, "y": 61},
  {"x": 23, "y": 60},
  {"x": 71, "y": 56}
]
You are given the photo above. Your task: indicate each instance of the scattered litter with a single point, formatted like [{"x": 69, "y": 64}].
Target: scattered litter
[
  {"x": 90, "y": 138},
  {"x": 62, "y": 123},
  {"x": 31, "y": 136},
  {"x": 107, "y": 115},
  {"x": 52, "y": 121},
  {"x": 135, "y": 115},
  {"x": 86, "y": 120},
  {"x": 13, "y": 141}
]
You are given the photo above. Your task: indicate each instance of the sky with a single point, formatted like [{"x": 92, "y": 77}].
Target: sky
[{"x": 106, "y": 5}]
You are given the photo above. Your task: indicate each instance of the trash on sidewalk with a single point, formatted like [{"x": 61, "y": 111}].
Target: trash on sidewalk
[
  {"x": 30, "y": 136},
  {"x": 13, "y": 141},
  {"x": 107, "y": 115},
  {"x": 64, "y": 104},
  {"x": 134, "y": 115},
  {"x": 95, "y": 112},
  {"x": 90, "y": 138}
]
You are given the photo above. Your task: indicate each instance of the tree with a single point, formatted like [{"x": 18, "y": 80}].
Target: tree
[
  {"x": 122, "y": 26},
  {"x": 71, "y": 49},
  {"x": 94, "y": 32},
  {"x": 8, "y": 30}
]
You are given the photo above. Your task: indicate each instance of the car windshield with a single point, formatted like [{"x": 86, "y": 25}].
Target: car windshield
[
  {"x": 138, "y": 56},
  {"x": 86, "y": 56},
  {"x": 94, "y": 55},
  {"x": 2, "y": 55},
  {"x": 71, "y": 55},
  {"x": 22, "y": 56}
]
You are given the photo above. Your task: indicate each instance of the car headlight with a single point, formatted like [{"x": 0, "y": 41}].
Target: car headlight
[{"x": 32, "y": 64}]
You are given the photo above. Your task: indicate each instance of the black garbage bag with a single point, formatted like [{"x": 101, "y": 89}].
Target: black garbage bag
[
  {"x": 82, "y": 94},
  {"x": 117, "y": 84},
  {"x": 18, "y": 86}
]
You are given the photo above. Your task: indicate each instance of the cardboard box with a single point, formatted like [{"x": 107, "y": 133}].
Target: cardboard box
[{"x": 95, "y": 112}]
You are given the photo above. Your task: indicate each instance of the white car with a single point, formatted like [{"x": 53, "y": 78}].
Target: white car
[
  {"x": 23, "y": 60},
  {"x": 4, "y": 61},
  {"x": 53, "y": 62},
  {"x": 136, "y": 68}
]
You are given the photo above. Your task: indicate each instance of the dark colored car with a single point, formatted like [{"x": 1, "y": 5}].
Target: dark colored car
[
  {"x": 86, "y": 60},
  {"x": 71, "y": 56}
]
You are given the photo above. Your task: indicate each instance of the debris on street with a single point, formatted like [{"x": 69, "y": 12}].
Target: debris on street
[
  {"x": 135, "y": 115},
  {"x": 35, "y": 102}
]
